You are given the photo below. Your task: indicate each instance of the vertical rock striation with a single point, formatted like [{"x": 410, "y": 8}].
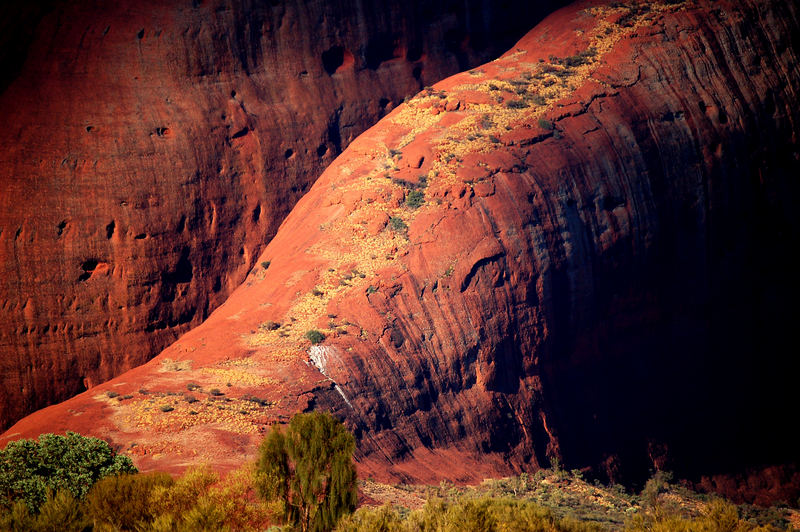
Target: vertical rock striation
[
  {"x": 149, "y": 150},
  {"x": 580, "y": 250}
]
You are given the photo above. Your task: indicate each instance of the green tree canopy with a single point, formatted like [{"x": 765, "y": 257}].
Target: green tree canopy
[
  {"x": 29, "y": 468},
  {"x": 309, "y": 467}
]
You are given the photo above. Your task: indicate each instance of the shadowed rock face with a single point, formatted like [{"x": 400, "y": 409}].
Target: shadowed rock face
[
  {"x": 149, "y": 151},
  {"x": 599, "y": 270}
]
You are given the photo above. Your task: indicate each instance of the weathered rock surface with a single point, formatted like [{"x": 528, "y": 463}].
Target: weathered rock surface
[
  {"x": 150, "y": 149},
  {"x": 599, "y": 270}
]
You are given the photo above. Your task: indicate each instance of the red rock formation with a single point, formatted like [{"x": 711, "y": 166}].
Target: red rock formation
[
  {"x": 149, "y": 151},
  {"x": 599, "y": 272}
]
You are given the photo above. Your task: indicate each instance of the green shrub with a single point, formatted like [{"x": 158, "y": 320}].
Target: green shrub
[
  {"x": 314, "y": 336},
  {"x": 397, "y": 224},
  {"x": 581, "y": 58},
  {"x": 29, "y": 468},
  {"x": 516, "y": 104},
  {"x": 415, "y": 199},
  {"x": 309, "y": 467},
  {"x": 546, "y": 124},
  {"x": 265, "y": 264}
]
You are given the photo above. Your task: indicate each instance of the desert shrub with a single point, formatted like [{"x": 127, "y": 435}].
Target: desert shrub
[
  {"x": 489, "y": 514},
  {"x": 265, "y": 264},
  {"x": 196, "y": 501},
  {"x": 314, "y": 336},
  {"x": 61, "y": 512},
  {"x": 29, "y": 468},
  {"x": 415, "y": 199},
  {"x": 654, "y": 486},
  {"x": 309, "y": 467},
  {"x": 123, "y": 502},
  {"x": 718, "y": 516},
  {"x": 516, "y": 104},
  {"x": 180, "y": 497},
  {"x": 366, "y": 519},
  {"x": 545, "y": 124},
  {"x": 581, "y": 58},
  {"x": 397, "y": 224},
  {"x": 232, "y": 503}
]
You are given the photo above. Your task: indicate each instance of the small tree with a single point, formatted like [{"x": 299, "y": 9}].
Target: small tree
[
  {"x": 29, "y": 468},
  {"x": 309, "y": 467}
]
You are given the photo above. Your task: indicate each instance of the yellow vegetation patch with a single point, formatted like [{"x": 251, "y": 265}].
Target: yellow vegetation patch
[
  {"x": 237, "y": 377},
  {"x": 168, "y": 364},
  {"x": 167, "y": 413}
]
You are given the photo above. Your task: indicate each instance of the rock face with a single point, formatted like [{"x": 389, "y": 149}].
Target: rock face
[
  {"x": 579, "y": 250},
  {"x": 150, "y": 150}
]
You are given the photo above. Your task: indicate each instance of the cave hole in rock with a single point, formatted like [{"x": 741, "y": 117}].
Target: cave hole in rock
[
  {"x": 417, "y": 72},
  {"x": 181, "y": 224},
  {"x": 140, "y": 236},
  {"x": 455, "y": 42},
  {"x": 383, "y": 102},
  {"x": 322, "y": 150},
  {"x": 140, "y": 35},
  {"x": 612, "y": 202},
  {"x": 380, "y": 49},
  {"x": 414, "y": 53},
  {"x": 182, "y": 273},
  {"x": 110, "y": 229},
  {"x": 241, "y": 133},
  {"x": 61, "y": 227},
  {"x": 288, "y": 153},
  {"x": 88, "y": 268},
  {"x": 257, "y": 213},
  {"x": 162, "y": 131},
  {"x": 336, "y": 58},
  {"x": 89, "y": 129},
  {"x": 723, "y": 116},
  {"x": 233, "y": 94}
]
